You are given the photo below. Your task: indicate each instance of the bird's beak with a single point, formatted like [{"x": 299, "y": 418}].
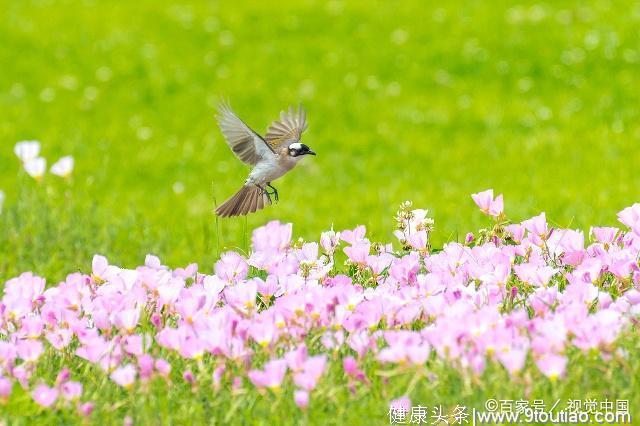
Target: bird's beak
[{"x": 311, "y": 152}]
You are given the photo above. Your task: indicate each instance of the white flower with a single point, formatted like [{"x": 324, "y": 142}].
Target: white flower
[
  {"x": 36, "y": 167},
  {"x": 63, "y": 167},
  {"x": 2, "y": 196},
  {"x": 27, "y": 150}
]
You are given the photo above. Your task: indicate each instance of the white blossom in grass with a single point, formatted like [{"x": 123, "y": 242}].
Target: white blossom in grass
[
  {"x": 2, "y": 197},
  {"x": 36, "y": 167},
  {"x": 27, "y": 150},
  {"x": 63, "y": 167}
]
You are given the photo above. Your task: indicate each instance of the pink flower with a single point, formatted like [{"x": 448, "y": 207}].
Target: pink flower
[
  {"x": 189, "y": 377},
  {"x": 631, "y": 217},
  {"x": 488, "y": 205},
  {"x": 380, "y": 263},
  {"x": 32, "y": 327},
  {"x": 145, "y": 366},
  {"x": 71, "y": 390},
  {"x": 468, "y": 239},
  {"x": 93, "y": 349},
  {"x": 218, "y": 372},
  {"x": 268, "y": 287},
  {"x": 404, "y": 346},
  {"x": 6, "y": 386},
  {"x": 351, "y": 369},
  {"x": 212, "y": 284},
  {"x": 153, "y": 262},
  {"x": 29, "y": 350},
  {"x": 329, "y": 241},
  {"x": 22, "y": 375},
  {"x": 296, "y": 358},
  {"x": 44, "y": 395},
  {"x": 86, "y": 409},
  {"x": 63, "y": 376},
  {"x": 25, "y": 288},
  {"x": 516, "y": 231},
  {"x": 263, "y": 332},
  {"x": 273, "y": 237},
  {"x": 311, "y": 372},
  {"x": 163, "y": 367},
  {"x": 100, "y": 268},
  {"x": 355, "y": 236},
  {"x": 553, "y": 366},
  {"x": 60, "y": 338},
  {"x": 231, "y": 267},
  {"x": 134, "y": 344},
  {"x": 190, "y": 304},
  {"x": 537, "y": 225},
  {"x": 358, "y": 252},
  {"x": 534, "y": 274},
  {"x": 401, "y": 403},
  {"x": 604, "y": 235},
  {"x": 124, "y": 376},
  {"x": 513, "y": 358},
  {"x": 418, "y": 240},
  {"x": 272, "y": 375},
  {"x": 127, "y": 319},
  {"x": 404, "y": 270},
  {"x": 188, "y": 272},
  {"x": 301, "y": 398},
  {"x": 8, "y": 353},
  {"x": 192, "y": 348},
  {"x": 242, "y": 296}
]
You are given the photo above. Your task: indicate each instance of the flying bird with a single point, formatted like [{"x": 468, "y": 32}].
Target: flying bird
[{"x": 271, "y": 157}]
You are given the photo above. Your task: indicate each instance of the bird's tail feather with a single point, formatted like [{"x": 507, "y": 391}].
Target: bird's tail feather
[{"x": 248, "y": 199}]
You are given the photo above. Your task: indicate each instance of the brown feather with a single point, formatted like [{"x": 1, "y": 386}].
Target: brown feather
[
  {"x": 237, "y": 208},
  {"x": 288, "y": 129},
  {"x": 245, "y": 205},
  {"x": 254, "y": 202},
  {"x": 245, "y": 143},
  {"x": 246, "y": 208},
  {"x": 260, "y": 203},
  {"x": 248, "y": 199}
]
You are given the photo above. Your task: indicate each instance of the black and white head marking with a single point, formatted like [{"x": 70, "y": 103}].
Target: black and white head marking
[{"x": 296, "y": 149}]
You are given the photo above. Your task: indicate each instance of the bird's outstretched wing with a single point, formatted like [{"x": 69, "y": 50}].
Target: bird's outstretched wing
[
  {"x": 246, "y": 144},
  {"x": 288, "y": 129}
]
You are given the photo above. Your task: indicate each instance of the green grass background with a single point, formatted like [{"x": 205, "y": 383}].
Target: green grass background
[{"x": 427, "y": 101}]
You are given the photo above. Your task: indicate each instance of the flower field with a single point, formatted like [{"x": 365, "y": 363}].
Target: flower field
[{"x": 297, "y": 324}]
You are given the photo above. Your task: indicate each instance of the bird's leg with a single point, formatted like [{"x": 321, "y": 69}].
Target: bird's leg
[
  {"x": 275, "y": 191},
  {"x": 264, "y": 191}
]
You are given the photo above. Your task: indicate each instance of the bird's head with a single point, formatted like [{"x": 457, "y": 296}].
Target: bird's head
[{"x": 299, "y": 149}]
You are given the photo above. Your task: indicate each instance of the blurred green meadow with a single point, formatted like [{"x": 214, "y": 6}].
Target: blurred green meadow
[{"x": 406, "y": 100}]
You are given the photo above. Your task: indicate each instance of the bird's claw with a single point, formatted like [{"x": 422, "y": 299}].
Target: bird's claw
[
  {"x": 274, "y": 193},
  {"x": 269, "y": 194}
]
